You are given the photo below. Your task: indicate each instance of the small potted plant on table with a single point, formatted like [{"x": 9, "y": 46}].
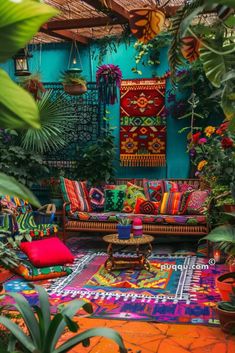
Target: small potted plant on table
[
  {"x": 226, "y": 312},
  {"x": 124, "y": 228},
  {"x": 74, "y": 84}
]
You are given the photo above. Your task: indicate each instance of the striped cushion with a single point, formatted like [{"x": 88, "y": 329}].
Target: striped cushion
[
  {"x": 174, "y": 203},
  {"x": 76, "y": 193}
]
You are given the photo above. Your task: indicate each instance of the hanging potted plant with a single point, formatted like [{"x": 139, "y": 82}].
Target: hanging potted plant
[
  {"x": 33, "y": 85},
  {"x": 108, "y": 79},
  {"x": 74, "y": 84}
]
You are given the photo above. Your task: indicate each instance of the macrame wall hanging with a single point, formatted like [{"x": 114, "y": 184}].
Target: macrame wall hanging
[{"x": 143, "y": 125}]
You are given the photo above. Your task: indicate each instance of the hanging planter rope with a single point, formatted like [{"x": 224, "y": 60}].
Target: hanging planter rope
[{"x": 108, "y": 79}]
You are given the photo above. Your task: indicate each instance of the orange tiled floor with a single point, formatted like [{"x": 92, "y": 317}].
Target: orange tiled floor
[{"x": 145, "y": 337}]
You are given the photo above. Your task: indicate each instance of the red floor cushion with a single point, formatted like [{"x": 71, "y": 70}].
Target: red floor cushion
[{"x": 47, "y": 252}]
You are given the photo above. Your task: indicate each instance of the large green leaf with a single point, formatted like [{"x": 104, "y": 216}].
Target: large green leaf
[
  {"x": 18, "y": 333},
  {"x": 17, "y": 106},
  {"x": 216, "y": 65},
  {"x": 9, "y": 186},
  {"x": 19, "y": 22},
  {"x": 104, "y": 332},
  {"x": 225, "y": 233}
]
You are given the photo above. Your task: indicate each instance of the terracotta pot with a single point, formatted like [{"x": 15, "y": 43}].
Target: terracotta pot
[
  {"x": 75, "y": 90},
  {"x": 229, "y": 208},
  {"x": 227, "y": 320},
  {"x": 224, "y": 284}
]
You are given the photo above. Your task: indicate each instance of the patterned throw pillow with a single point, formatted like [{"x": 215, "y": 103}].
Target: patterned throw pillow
[
  {"x": 114, "y": 200},
  {"x": 198, "y": 202},
  {"x": 174, "y": 203},
  {"x": 76, "y": 193},
  {"x": 97, "y": 199},
  {"x": 116, "y": 187},
  {"x": 170, "y": 186},
  {"x": 146, "y": 207},
  {"x": 133, "y": 192},
  {"x": 153, "y": 189},
  {"x": 187, "y": 187}
]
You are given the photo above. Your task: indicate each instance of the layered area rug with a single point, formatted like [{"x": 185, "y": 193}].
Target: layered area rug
[{"x": 177, "y": 289}]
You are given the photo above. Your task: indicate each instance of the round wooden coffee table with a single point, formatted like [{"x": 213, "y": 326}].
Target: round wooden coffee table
[{"x": 139, "y": 258}]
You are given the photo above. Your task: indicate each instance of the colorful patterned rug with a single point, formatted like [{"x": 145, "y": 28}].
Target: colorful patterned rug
[
  {"x": 143, "y": 126},
  {"x": 177, "y": 289}
]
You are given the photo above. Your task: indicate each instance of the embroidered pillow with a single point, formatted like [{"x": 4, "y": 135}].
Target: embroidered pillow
[
  {"x": 47, "y": 252},
  {"x": 146, "y": 207},
  {"x": 170, "y": 186},
  {"x": 153, "y": 189},
  {"x": 97, "y": 199},
  {"x": 114, "y": 200},
  {"x": 116, "y": 187},
  {"x": 187, "y": 187},
  {"x": 198, "y": 202},
  {"x": 133, "y": 192},
  {"x": 83, "y": 196}
]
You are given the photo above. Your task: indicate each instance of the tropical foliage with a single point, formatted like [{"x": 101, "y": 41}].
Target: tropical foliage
[
  {"x": 19, "y": 21},
  {"x": 216, "y": 48},
  {"x": 72, "y": 78},
  {"x": 54, "y": 115},
  {"x": 25, "y": 166},
  {"x": 44, "y": 331}
]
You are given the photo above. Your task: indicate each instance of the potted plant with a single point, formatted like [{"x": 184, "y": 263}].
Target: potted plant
[
  {"x": 44, "y": 330},
  {"x": 108, "y": 79},
  {"x": 226, "y": 313},
  {"x": 124, "y": 228},
  {"x": 74, "y": 84}
]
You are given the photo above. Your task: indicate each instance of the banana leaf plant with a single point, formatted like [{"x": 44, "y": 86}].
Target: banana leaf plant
[
  {"x": 45, "y": 330},
  {"x": 19, "y": 22}
]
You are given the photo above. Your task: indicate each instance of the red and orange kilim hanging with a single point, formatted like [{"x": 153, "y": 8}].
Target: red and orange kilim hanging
[{"x": 143, "y": 125}]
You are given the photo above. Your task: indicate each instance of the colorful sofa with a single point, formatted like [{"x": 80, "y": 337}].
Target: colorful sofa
[{"x": 159, "y": 224}]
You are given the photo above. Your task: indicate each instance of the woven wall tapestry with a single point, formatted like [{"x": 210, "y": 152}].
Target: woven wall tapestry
[{"x": 143, "y": 125}]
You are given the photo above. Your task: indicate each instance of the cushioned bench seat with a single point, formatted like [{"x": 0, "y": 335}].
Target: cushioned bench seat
[{"x": 159, "y": 219}]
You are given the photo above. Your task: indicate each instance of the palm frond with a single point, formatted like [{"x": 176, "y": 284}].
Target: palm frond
[{"x": 54, "y": 117}]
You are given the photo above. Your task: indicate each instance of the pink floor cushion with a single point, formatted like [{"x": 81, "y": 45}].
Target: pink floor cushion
[{"x": 47, "y": 252}]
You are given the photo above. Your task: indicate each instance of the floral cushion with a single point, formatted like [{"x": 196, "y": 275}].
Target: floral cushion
[
  {"x": 133, "y": 192},
  {"x": 198, "y": 202},
  {"x": 187, "y": 187},
  {"x": 143, "y": 206},
  {"x": 114, "y": 200},
  {"x": 153, "y": 189},
  {"x": 156, "y": 219}
]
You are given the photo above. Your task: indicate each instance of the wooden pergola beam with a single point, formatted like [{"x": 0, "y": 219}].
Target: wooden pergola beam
[
  {"x": 64, "y": 34},
  {"x": 84, "y": 22},
  {"x": 113, "y": 6}
]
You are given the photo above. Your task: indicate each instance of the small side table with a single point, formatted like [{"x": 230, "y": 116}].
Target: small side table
[{"x": 139, "y": 258}]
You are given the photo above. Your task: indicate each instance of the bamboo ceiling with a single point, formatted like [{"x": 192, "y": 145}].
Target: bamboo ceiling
[{"x": 86, "y": 20}]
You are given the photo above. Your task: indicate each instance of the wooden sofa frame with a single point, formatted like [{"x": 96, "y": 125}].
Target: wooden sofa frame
[{"x": 73, "y": 226}]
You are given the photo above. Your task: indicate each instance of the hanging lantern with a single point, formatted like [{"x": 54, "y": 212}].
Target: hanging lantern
[
  {"x": 21, "y": 63},
  {"x": 75, "y": 64}
]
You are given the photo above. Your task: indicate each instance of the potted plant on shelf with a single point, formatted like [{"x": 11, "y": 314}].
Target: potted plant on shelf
[
  {"x": 226, "y": 313},
  {"x": 74, "y": 84},
  {"x": 124, "y": 228}
]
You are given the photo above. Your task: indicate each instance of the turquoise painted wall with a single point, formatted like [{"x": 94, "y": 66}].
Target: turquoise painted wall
[{"x": 51, "y": 59}]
